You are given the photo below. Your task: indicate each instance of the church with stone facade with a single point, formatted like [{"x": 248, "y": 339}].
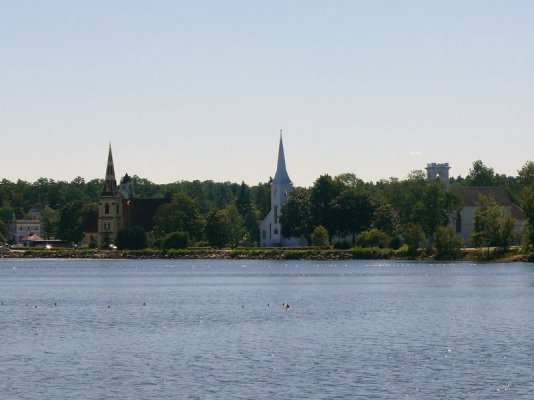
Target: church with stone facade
[{"x": 118, "y": 208}]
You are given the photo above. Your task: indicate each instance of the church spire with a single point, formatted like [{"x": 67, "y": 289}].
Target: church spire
[
  {"x": 110, "y": 183},
  {"x": 281, "y": 172}
]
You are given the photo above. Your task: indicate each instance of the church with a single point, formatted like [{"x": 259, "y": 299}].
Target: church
[
  {"x": 281, "y": 186},
  {"x": 118, "y": 208}
]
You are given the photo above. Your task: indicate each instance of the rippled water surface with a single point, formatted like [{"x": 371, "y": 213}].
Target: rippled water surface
[{"x": 79, "y": 329}]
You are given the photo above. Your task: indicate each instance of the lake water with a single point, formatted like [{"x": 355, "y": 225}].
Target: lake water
[{"x": 78, "y": 329}]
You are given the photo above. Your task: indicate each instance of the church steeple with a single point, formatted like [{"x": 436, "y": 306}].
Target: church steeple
[
  {"x": 110, "y": 183},
  {"x": 281, "y": 176}
]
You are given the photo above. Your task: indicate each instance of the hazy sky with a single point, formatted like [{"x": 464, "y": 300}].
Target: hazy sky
[{"x": 200, "y": 89}]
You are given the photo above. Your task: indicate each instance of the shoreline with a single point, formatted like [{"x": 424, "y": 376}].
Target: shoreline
[{"x": 473, "y": 255}]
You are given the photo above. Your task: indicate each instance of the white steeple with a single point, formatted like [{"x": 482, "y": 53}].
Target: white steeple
[{"x": 281, "y": 176}]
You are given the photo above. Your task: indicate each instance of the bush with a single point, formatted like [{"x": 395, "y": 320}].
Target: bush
[
  {"x": 175, "y": 240},
  {"x": 131, "y": 238},
  {"x": 373, "y": 238},
  {"x": 320, "y": 236},
  {"x": 447, "y": 243},
  {"x": 413, "y": 235}
]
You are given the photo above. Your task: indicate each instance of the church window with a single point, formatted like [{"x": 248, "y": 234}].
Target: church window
[
  {"x": 117, "y": 207},
  {"x": 275, "y": 214},
  {"x": 106, "y": 208},
  {"x": 276, "y": 231},
  {"x": 270, "y": 232},
  {"x": 264, "y": 234},
  {"x": 458, "y": 223}
]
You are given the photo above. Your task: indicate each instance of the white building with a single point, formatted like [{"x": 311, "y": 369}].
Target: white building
[
  {"x": 464, "y": 221},
  {"x": 281, "y": 186},
  {"x": 23, "y": 228}
]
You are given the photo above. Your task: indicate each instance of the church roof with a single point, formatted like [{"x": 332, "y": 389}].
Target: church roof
[
  {"x": 126, "y": 179},
  {"x": 110, "y": 183},
  {"x": 469, "y": 194},
  {"x": 281, "y": 175}
]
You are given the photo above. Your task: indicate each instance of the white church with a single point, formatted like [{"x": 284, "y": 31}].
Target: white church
[{"x": 281, "y": 186}]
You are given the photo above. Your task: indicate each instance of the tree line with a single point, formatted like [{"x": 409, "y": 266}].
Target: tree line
[{"x": 388, "y": 213}]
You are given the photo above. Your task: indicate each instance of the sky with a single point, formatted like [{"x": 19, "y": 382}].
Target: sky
[{"x": 189, "y": 90}]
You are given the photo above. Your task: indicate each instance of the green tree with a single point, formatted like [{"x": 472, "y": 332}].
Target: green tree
[
  {"x": 296, "y": 216},
  {"x": 262, "y": 199},
  {"x": 224, "y": 227},
  {"x": 320, "y": 236},
  {"x": 480, "y": 175},
  {"x": 176, "y": 240},
  {"x": 492, "y": 226},
  {"x": 71, "y": 220},
  {"x": 373, "y": 238},
  {"x": 413, "y": 236},
  {"x": 525, "y": 176},
  {"x": 323, "y": 192},
  {"x": 246, "y": 210},
  {"x": 352, "y": 212},
  {"x": 527, "y": 204},
  {"x": 49, "y": 222},
  {"x": 131, "y": 238},
  {"x": 180, "y": 215},
  {"x": 447, "y": 243}
]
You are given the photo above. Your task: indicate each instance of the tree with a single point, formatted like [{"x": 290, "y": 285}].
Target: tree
[
  {"x": 373, "y": 238},
  {"x": 525, "y": 176},
  {"x": 180, "y": 215},
  {"x": 352, "y": 212},
  {"x": 71, "y": 220},
  {"x": 323, "y": 192},
  {"x": 175, "y": 240},
  {"x": 320, "y": 236},
  {"x": 296, "y": 216},
  {"x": 413, "y": 235},
  {"x": 131, "y": 238},
  {"x": 224, "y": 227},
  {"x": 480, "y": 175},
  {"x": 262, "y": 199},
  {"x": 492, "y": 226},
  {"x": 245, "y": 209},
  {"x": 417, "y": 201},
  {"x": 527, "y": 204},
  {"x": 447, "y": 243},
  {"x": 49, "y": 222}
]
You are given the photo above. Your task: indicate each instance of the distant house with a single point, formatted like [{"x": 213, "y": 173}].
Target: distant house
[
  {"x": 22, "y": 228},
  {"x": 469, "y": 195}
]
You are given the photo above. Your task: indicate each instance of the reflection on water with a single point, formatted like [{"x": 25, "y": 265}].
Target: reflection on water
[{"x": 218, "y": 329}]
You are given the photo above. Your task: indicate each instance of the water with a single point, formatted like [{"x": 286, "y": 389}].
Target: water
[{"x": 217, "y": 330}]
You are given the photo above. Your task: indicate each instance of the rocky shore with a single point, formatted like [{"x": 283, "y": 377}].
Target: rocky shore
[{"x": 270, "y": 254}]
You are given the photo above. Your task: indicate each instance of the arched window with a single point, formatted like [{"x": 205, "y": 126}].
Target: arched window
[{"x": 106, "y": 208}]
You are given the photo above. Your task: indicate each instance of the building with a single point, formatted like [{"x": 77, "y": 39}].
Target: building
[
  {"x": 464, "y": 221},
  {"x": 281, "y": 186},
  {"x": 469, "y": 195},
  {"x": 23, "y": 228},
  {"x": 117, "y": 209},
  {"x": 109, "y": 206}
]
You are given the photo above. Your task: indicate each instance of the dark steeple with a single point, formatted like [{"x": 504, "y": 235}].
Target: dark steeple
[
  {"x": 281, "y": 176},
  {"x": 110, "y": 183}
]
